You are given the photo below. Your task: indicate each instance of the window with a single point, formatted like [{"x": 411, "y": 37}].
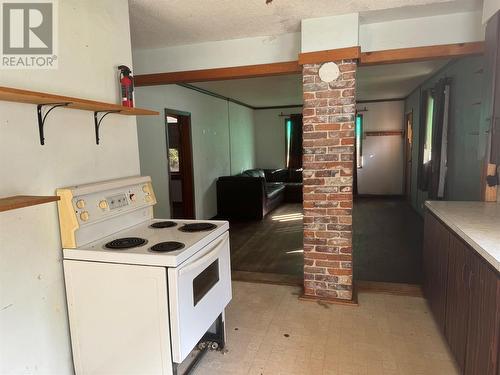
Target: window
[
  {"x": 359, "y": 140},
  {"x": 288, "y": 140},
  {"x": 428, "y": 129},
  {"x": 174, "y": 144},
  {"x": 173, "y": 159},
  {"x": 293, "y": 141},
  {"x": 205, "y": 281}
]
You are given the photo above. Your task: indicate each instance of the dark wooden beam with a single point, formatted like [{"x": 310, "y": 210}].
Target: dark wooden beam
[
  {"x": 329, "y": 55},
  {"x": 402, "y": 55},
  {"x": 219, "y": 74}
]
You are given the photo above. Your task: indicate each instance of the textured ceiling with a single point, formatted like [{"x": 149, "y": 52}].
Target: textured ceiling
[
  {"x": 393, "y": 81},
  {"x": 160, "y": 23},
  {"x": 375, "y": 82}
]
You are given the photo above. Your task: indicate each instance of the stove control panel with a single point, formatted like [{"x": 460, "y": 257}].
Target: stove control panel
[
  {"x": 85, "y": 208},
  {"x": 116, "y": 201}
]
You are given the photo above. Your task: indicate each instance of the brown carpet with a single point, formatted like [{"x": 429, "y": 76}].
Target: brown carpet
[{"x": 272, "y": 246}]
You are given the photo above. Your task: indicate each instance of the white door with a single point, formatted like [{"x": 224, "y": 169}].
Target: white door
[{"x": 199, "y": 290}]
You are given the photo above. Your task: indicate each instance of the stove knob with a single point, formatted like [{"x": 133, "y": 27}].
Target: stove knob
[
  {"x": 103, "y": 204},
  {"x": 148, "y": 198},
  {"x": 132, "y": 197},
  {"x": 80, "y": 203},
  {"x": 84, "y": 216},
  {"x": 146, "y": 189}
]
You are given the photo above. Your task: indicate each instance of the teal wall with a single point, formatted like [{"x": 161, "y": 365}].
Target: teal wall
[
  {"x": 242, "y": 138},
  {"x": 222, "y": 140},
  {"x": 463, "y": 180}
]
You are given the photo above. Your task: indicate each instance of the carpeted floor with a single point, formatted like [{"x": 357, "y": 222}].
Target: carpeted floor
[
  {"x": 387, "y": 244},
  {"x": 387, "y": 241},
  {"x": 271, "y": 249}
]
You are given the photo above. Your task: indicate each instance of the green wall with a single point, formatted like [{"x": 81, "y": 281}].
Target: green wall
[
  {"x": 222, "y": 141},
  {"x": 270, "y": 136},
  {"x": 242, "y": 138},
  {"x": 463, "y": 180}
]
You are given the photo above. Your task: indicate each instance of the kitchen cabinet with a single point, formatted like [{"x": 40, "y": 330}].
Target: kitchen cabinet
[
  {"x": 463, "y": 293},
  {"x": 484, "y": 321},
  {"x": 457, "y": 298},
  {"x": 435, "y": 267}
]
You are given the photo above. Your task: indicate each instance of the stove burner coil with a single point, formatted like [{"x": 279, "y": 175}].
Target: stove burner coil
[
  {"x": 125, "y": 243},
  {"x": 163, "y": 224},
  {"x": 197, "y": 227},
  {"x": 167, "y": 246}
]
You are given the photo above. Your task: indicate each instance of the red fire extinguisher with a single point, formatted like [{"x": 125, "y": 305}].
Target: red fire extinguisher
[{"x": 126, "y": 86}]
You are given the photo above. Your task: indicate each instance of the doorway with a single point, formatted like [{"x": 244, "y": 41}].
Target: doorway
[
  {"x": 408, "y": 154},
  {"x": 180, "y": 164}
]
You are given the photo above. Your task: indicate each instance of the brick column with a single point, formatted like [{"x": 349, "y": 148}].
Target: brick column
[{"x": 328, "y": 142}]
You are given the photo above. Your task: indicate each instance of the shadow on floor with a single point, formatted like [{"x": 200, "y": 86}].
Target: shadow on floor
[
  {"x": 270, "y": 250},
  {"x": 387, "y": 241}
]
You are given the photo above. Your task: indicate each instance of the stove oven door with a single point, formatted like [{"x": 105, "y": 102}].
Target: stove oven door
[{"x": 199, "y": 290}]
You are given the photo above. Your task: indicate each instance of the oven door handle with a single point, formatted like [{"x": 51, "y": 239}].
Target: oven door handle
[{"x": 203, "y": 258}]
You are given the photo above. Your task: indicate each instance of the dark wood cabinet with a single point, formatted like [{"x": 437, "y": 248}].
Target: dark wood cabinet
[
  {"x": 435, "y": 267},
  {"x": 463, "y": 293},
  {"x": 457, "y": 298},
  {"x": 484, "y": 320}
]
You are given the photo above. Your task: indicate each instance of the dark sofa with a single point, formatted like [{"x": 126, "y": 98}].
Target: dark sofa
[
  {"x": 255, "y": 192},
  {"x": 292, "y": 178}
]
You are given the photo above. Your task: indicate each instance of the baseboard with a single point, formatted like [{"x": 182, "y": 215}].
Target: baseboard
[
  {"x": 267, "y": 278},
  {"x": 400, "y": 289},
  {"x": 332, "y": 301},
  {"x": 380, "y": 196}
]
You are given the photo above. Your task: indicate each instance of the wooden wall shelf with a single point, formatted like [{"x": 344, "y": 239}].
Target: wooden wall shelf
[
  {"x": 20, "y": 201},
  {"x": 42, "y": 100},
  {"x": 32, "y": 97}
]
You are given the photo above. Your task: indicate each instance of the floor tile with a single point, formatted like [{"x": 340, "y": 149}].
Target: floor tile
[{"x": 271, "y": 332}]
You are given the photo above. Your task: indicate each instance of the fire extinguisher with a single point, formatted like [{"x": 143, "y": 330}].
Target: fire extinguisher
[{"x": 126, "y": 86}]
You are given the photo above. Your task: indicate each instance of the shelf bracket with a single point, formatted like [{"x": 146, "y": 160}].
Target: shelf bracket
[
  {"x": 42, "y": 117},
  {"x": 98, "y": 120}
]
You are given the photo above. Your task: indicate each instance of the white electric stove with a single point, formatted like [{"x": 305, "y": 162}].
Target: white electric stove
[{"x": 141, "y": 292}]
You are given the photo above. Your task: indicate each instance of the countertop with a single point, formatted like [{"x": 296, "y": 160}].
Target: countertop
[{"x": 477, "y": 223}]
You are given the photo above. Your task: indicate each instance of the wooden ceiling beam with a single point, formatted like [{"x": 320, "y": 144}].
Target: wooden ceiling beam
[
  {"x": 218, "y": 74},
  {"x": 392, "y": 56},
  {"x": 402, "y": 55},
  {"x": 338, "y": 54}
]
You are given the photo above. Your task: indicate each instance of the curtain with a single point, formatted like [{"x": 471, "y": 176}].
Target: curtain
[
  {"x": 423, "y": 168},
  {"x": 295, "y": 151},
  {"x": 439, "y": 140},
  {"x": 432, "y": 174}
]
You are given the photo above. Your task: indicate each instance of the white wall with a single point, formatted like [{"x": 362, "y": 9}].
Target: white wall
[
  {"x": 93, "y": 39},
  {"x": 325, "y": 33},
  {"x": 423, "y": 31},
  {"x": 490, "y": 7},
  {"x": 270, "y": 137},
  {"x": 234, "y": 52},
  {"x": 210, "y": 141},
  {"x": 382, "y": 171}
]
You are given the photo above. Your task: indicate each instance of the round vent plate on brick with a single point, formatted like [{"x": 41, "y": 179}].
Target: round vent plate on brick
[{"x": 329, "y": 72}]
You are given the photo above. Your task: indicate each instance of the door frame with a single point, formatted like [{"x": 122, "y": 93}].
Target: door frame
[
  {"x": 185, "y": 164},
  {"x": 407, "y": 173}
]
